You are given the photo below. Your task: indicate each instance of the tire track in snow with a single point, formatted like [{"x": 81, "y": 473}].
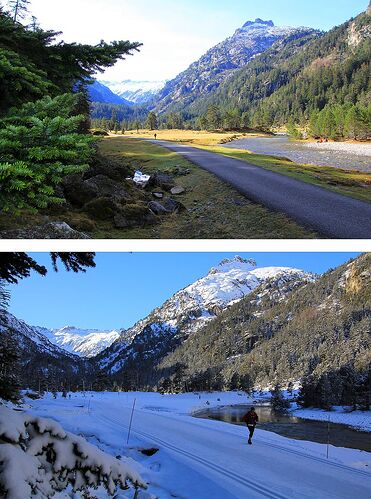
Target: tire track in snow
[{"x": 254, "y": 486}]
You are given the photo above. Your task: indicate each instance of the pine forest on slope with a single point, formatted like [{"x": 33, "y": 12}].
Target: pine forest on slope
[{"x": 237, "y": 327}]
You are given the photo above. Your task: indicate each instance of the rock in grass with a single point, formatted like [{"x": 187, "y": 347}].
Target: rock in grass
[
  {"x": 157, "y": 208},
  {"x": 158, "y": 195},
  {"x": 103, "y": 208},
  {"x": 162, "y": 180},
  {"x": 51, "y": 230},
  {"x": 79, "y": 191},
  {"x": 173, "y": 206},
  {"x": 177, "y": 190},
  {"x": 134, "y": 215}
]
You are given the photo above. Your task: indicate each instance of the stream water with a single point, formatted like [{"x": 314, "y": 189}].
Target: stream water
[
  {"x": 291, "y": 426},
  {"x": 340, "y": 155}
]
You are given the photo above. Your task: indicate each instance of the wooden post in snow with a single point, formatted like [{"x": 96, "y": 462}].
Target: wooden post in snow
[
  {"x": 131, "y": 420},
  {"x": 328, "y": 435}
]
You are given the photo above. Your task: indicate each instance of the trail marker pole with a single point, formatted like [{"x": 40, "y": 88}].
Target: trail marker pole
[
  {"x": 131, "y": 420},
  {"x": 328, "y": 435}
]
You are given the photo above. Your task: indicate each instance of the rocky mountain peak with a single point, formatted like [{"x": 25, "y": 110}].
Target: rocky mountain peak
[
  {"x": 258, "y": 23},
  {"x": 236, "y": 262}
]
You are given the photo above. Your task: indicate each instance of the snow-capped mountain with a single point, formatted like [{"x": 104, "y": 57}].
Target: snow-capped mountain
[
  {"x": 214, "y": 67},
  {"x": 136, "y": 92},
  {"x": 192, "y": 307},
  {"x": 25, "y": 334},
  {"x": 101, "y": 93},
  {"x": 82, "y": 342},
  {"x": 68, "y": 340}
]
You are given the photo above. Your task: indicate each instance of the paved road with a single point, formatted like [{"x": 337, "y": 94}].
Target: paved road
[{"x": 328, "y": 213}]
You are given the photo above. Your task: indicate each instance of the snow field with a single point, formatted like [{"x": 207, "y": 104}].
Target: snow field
[{"x": 200, "y": 458}]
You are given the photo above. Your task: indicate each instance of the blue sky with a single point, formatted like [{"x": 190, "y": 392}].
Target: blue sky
[
  {"x": 175, "y": 33},
  {"x": 125, "y": 287}
]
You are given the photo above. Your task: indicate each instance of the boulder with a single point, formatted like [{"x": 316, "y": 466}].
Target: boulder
[
  {"x": 76, "y": 191},
  {"x": 158, "y": 195},
  {"x": 157, "y": 208},
  {"x": 161, "y": 180},
  {"x": 134, "y": 215},
  {"x": 177, "y": 190},
  {"x": 80, "y": 191},
  {"x": 120, "y": 222},
  {"x": 106, "y": 187},
  {"x": 111, "y": 167},
  {"x": 171, "y": 205},
  {"x": 102, "y": 208},
  {"x": 50, "y": 230}
]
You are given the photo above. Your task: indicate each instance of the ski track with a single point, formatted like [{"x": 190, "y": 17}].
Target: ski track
[
  {"x": 259, "y": 488},
  {"x": 253, "y": 486}
]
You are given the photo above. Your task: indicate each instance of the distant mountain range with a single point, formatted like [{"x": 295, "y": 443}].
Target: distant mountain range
[
  {"x": 101, "y": 93},
  {"x": 265, "y": 76},
  {"x": 273, "y": 324},
  {"x": 135, "y": 92}
]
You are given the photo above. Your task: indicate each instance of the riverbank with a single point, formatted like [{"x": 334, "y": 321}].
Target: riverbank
[
  {"x": 359, "y": 149},
  {"x": 337, "y": 155},
  {"x": 359, "y": 420}
]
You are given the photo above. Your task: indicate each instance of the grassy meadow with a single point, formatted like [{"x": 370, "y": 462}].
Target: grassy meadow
[{"x": 214, "y": 209}]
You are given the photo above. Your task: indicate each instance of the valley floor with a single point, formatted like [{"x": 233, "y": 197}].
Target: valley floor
[{"x": 200, "y": 458}]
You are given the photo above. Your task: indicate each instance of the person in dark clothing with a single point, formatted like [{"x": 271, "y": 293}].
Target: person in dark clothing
[
  {"x": 251, "y": 418},
  {"x": 155, "y": 136}
]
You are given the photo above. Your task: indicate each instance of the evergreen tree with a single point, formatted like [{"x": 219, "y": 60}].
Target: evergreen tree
[
  {"x": 15, "y": 266},
  {"x": 9, "y": 367},
  {"x": 39, "y": 146},
  {"x": 213, "y": 117},
  {"x": 152, "y": 122},
  {"x": 278, "y": 402},
  {"x": 137, "y": 125},
  {"x": 19, "y": 9},
  {"x": 232, "y": 119}
]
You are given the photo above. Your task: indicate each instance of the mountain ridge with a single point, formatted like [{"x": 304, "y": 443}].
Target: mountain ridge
[
  {"x": 219, "y": 62},
  {"x": 193, "y": 306}
]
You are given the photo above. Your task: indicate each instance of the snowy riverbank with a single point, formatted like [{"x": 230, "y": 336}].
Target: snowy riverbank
[
  {"x": 200, "y": 458},
  {"x": 360, "y": 420}
]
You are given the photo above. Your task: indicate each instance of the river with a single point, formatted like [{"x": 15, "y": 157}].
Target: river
[
  {"x": 291, "y": 426},
  {"x": 337, "y": 154}
]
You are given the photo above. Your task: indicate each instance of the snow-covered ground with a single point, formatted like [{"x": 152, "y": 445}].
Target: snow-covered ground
[
  {"x": 199, "y": 458},
  {"x": 357, "y": 419}
]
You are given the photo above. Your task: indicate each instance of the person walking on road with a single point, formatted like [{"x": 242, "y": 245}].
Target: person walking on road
[
  {"x": 155, "y": 136},
  {"x": 251, "y": 418}
]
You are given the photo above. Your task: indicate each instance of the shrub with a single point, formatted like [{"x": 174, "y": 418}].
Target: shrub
[{"x": 39, "y": 146}]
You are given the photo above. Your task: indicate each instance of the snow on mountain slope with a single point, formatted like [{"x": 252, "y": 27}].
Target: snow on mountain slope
[
  {"x": 137, "y": 92},
  {"x": 65, "y": 341},
  {"x": 190, "y": 308},
  {"x": 31, "y": 335},
  {"x": 83, "y": 342}
]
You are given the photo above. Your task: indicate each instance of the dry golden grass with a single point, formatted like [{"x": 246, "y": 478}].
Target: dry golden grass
[{"x": 203, "y": 138}]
